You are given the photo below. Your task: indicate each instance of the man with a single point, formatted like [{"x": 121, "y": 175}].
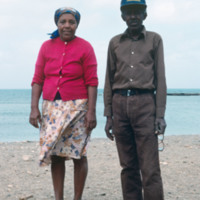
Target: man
[{"x": 135, "y": 99}]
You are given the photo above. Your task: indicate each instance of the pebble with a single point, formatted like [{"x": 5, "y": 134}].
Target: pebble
[
  {"x": 26, "y": 157},
  {"x": 10, "y": 186},
  {"x": 26, "y": 198}
]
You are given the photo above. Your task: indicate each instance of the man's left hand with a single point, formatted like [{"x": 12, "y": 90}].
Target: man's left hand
[{"x": 160, "y": 126}]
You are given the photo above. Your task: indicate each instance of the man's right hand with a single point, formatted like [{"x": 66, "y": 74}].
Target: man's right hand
[{"x": 108, "y": 128}]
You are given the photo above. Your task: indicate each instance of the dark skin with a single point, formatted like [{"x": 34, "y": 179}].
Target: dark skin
[
  {"x": 134, "y": 17},
  {"x": 67, "y": 26}
]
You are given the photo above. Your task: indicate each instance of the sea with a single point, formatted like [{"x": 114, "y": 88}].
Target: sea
[{"x": 182, "y": 115}]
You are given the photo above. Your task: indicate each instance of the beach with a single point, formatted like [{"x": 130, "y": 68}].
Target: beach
[{"x": 21, "y": 178}]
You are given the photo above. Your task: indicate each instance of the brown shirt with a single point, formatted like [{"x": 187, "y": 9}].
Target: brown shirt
[{"x": 136, "y": 64}]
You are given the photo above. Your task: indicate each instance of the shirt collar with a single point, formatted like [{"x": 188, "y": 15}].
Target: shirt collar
[{"x": 127, "y": 35}]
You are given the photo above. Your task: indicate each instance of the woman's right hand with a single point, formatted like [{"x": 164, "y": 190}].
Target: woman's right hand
[{"x": 35, "y": 117}]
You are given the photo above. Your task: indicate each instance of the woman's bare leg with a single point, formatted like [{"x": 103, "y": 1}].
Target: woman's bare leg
[
  {"x": 80, "y": 175},
  {"x": 58, "y": 176}
]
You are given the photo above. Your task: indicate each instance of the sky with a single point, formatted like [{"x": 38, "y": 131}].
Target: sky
[{"x": 24, "y": 25}]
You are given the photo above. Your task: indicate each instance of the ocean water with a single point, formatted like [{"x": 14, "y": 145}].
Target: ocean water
[{"x": 182, "y": 115}]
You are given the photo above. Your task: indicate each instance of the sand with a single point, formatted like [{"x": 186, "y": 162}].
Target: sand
[{"x": 22, "y": 178}]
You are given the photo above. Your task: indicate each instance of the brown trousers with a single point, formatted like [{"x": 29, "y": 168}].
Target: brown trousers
[{"x": 137, "y": 146}]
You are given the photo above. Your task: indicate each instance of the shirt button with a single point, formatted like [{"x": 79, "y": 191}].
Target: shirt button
[
  {"x": 65, "y": 43},
  {"x": 131, "y": 79},
  {"x": 131, "y": 66},
  {"x": 60, "y": 76},
  {"x": 58, "y": 88},
  {"x": 61, "y": 67},
  {"x": 132, "y": 52},
  {"x": 63, "y": 54}
]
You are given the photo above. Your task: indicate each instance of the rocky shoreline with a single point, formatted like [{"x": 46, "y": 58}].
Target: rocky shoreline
[{"x": 183, "y": 94}]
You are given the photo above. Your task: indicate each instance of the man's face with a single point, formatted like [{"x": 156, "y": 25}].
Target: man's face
[{"x": 134, "y": 17}]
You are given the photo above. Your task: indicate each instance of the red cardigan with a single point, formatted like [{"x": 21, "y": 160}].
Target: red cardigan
[{"x": 67, "y": 67}]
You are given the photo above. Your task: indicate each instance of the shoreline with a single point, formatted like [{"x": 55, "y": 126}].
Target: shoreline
[
  {"x": 22, "y": 178},
  {"x": 97, "y": 138}
]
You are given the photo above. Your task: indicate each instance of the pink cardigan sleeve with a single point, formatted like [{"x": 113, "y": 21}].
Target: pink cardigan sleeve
[
  {"x": 90, "y": 68},
  {"x": 39, "y": 67}
]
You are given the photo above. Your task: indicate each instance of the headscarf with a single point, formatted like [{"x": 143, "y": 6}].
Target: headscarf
[{"x": 61, "y": 11}]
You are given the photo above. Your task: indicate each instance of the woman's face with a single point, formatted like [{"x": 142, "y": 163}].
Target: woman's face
[{"x": 67, "y": 26}]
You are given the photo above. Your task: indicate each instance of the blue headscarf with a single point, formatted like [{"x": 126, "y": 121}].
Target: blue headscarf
[{"x": 61, "y": 11}]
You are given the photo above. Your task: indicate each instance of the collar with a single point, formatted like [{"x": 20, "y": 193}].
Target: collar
[{"x": 126, "y": 34}]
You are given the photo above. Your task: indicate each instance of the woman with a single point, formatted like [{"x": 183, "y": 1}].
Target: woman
[{"x": 66, "y": 74}]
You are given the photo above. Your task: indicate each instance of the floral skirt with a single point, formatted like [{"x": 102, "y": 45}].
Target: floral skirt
[{"x": 63, "y": 132}]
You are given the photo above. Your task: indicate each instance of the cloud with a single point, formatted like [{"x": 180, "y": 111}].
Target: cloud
[
  {"x": 175, "y": 12},
  {"x": 106, "y": 3},
  {"x": 8, "y": 2},
  {"x": 163, "y": 10},
  {"x": 24, "y": 24}
]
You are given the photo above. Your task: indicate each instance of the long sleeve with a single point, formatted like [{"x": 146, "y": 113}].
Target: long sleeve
[
  {"x": 90, "y": 69},
  {"x": 161, "y": 88},
  {"x": 109, "y": 79},
  {"x": 39, "y": 68}
]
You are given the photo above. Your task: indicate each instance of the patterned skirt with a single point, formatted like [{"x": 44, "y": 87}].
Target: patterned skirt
[{"x": 62, "y": 131}]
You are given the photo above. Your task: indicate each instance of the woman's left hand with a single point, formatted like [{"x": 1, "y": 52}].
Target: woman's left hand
[{"x": 90, "y": 120}]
